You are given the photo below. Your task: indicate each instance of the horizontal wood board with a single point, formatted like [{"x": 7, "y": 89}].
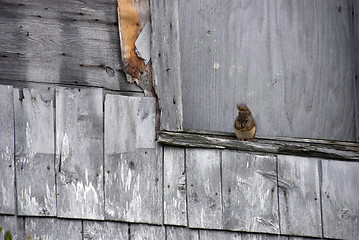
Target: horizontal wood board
[
  {"x": 346, "y": 151},
  {"x": 70, "y": 42},
  {"x": 291, "y": 62}
]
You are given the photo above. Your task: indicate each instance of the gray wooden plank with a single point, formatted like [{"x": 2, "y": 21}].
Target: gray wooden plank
[
  {"x": 104, "y": 230},
  {"x": 147, "y": 232},
  {"x": 299, "y": 188},
  {"x": 181, "y": 233},
  {"x": 254, "y": 236},
  {"x": 215, "y": 235},
  {"x": 355, "y": 5},
  {"x": 53, "y": 228},
  {"x": 35, "y": 151},
  {"x": 204, "y": 193},
  {"x": 347, "y": 151},
  {"x": 250, "y": 200},
  {"x": 79, "y": 153},
  {"x": 340, "y": 199},
  {"x": 268, "y": 56},
  {"x": 78, "y": 42},
  {"x": 133, "y": 162},
  {"x": 13, "y": 224},
  {"x": 7, "y": 167},
  {"x": 174, "y": 186},
  {"x": 166, "y": 62}
]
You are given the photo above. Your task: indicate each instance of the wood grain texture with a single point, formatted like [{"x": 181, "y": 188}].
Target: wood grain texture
[
  {"x": 215, "y": 235},
  {"x": 35, "y": 151},
  {"x": 299, "y": 196},
  {"x": 204, "y": 193},
  {"x": 355, "y": 5},
  {"x": 79, "y": 153},
  {"x": 249, "y": 185},
  {"x": 253, "y": 236},
  {"x": 7, "y": 166},
  {"x": 291, "y": 62},
  {"x": 147, "y": 232},
  {"x": 166, "y": 62},
  {"x": 174, "y": 186},
  {"x": 340, "y": 194},
  {"x": 53, "y": 228},
  {"x": 104, "y": 230},
  {"x": 181, "y": 233},
  {"x": 346, "y": 151},
  {"x": 68, "y": 42},
  {"x": 13, "y": 224},
  {"x": 133, "y": 163}
]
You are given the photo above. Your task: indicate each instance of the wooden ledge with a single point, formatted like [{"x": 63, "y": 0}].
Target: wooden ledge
[{"x": 338, "y": 150}]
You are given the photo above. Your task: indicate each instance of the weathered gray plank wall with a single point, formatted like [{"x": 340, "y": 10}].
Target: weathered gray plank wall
[
  {"x": 70, "y": 42},
  {"x": 290, "y": 61}
]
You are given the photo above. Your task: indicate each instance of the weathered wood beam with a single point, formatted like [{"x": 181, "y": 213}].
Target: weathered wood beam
[{"x": 348, "y": 151}]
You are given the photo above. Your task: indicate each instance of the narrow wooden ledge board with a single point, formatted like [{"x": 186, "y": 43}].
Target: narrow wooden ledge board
[{"x": 348, "y": 151}]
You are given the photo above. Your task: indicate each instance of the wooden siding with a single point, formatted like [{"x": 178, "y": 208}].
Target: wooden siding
[
  {"x": 7, "y": 166},
  {"x": 133, "y": 164},
  {"x": 167, "y": 62},
  {"x": 35, "y": 151},
  {"x": 250, "y": 192},
  {"x": 79, "y": 153},
  {"x": 291, "y": 62},
  {"x": 70, "y": 42},
  {"x": 299, "y": 188},
  {"x": 109, "y": 168}
]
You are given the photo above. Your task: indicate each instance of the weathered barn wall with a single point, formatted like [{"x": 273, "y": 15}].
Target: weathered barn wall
[
  {"x": 88, "y": 166},
  {"x": 290, "y": 61},
  {"x": 70, "y": 42}
]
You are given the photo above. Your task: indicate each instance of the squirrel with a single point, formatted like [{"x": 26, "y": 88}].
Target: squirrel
[{"x": 244, "y": 126}]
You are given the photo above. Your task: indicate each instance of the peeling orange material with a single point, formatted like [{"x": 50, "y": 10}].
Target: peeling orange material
[{"x": 129, "y": 26}]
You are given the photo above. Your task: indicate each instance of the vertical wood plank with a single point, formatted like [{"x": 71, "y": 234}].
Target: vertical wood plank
[
  {"x": 355, "y": 6},
  {"x": 35, "y": 151},
  {"x": 7, "y": 168},
  {"x": 147, "y": 232},
  {"x": 105, "y": 230},
  {"x": 166, "y": 62},
  {"x": 174, "y": 192},
  {"x": 13, "y": 224},
  {"x": 53, "y": 228},
  {"x": 181, "y": 233},
  {"x": 216, "y": 235},
  {"x": 340, "y": 204},
  {"x": 299, "y": 188},
  {"x": 133, "y": 162},
  {"x": 79, "y": 153},
  {"x": 273, "y": 57},
  {"x": 204, "y": 188},
  {"x": 250, "y": 200}
]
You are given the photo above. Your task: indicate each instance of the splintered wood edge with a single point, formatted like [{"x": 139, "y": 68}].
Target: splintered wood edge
[{"x": 337, "y": 150}]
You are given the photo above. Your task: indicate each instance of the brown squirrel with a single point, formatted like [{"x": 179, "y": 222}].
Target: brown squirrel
[{"x": 244, "y": 126}]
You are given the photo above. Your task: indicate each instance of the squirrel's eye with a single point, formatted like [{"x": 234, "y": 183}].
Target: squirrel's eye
[{"x": 246, "y": 120}]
